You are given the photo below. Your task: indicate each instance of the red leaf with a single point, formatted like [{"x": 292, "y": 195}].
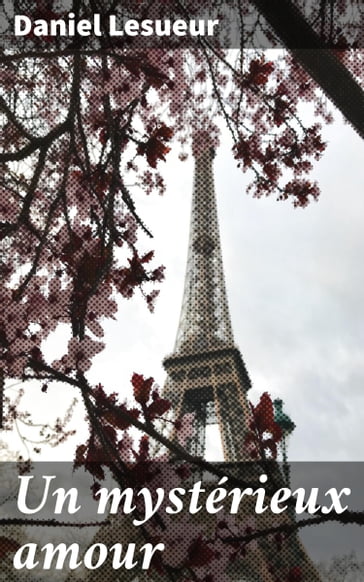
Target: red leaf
[
  {"x": 148, "y": 257},
  {"x": 142, "y": 388},
  {"x": 243, "y": 151},
  {"x": 164, "y": 132},
  {"x": 264, "y": 413},
  {"x": 259, "y": 71},
  {"x": 158, "y": 408},
  {"x": 116, "y": 420},
  {"x": 158, "y": 274},
  {"x": 104, "y": 400},
  {"x": 154, "y": 149},
  {"x": 199, "y": 554}
]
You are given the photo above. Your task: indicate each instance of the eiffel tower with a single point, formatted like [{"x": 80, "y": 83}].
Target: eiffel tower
[
  {"x": 206, "y": 372},
  {"x": 206, "y": 376}
]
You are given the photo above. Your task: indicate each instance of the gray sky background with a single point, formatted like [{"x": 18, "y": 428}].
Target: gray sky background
[{"x": 295, "y": 284}]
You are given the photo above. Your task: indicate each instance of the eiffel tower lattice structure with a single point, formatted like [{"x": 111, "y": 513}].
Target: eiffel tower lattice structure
[
  {"x": 206, "y": 372},
  {"x": 206, "y": 376}
]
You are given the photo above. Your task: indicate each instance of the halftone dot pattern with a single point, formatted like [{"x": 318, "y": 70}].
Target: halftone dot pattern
[{"x": 207, "y": 378}]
